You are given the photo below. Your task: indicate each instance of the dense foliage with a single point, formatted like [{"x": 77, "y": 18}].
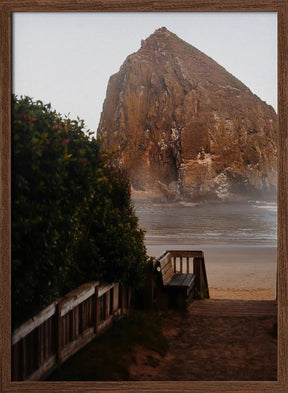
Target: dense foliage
[{"x": 72, "y": 219}]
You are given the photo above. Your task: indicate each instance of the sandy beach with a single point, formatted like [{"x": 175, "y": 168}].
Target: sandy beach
[{"x": 235, "y": 271}]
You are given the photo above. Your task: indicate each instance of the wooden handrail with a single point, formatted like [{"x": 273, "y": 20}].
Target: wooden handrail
[
  {"x": 77, "y": 296},
  {"x": 30, "y": 325},
  {"x": 51, "y": 328},
  {"x": 186, "y": 253}
]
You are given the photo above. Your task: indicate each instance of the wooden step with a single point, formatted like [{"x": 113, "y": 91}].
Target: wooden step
[{"x": 223, "y": 308}]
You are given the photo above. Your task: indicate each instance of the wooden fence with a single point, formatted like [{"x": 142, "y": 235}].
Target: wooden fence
[{"x": 44, "y": 342}]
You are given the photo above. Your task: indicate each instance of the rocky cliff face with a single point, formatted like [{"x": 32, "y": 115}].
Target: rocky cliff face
[{"x": 186, "y": 128}]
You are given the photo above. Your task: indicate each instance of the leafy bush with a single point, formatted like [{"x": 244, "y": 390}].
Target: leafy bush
[{"x": 72, "y": 219}]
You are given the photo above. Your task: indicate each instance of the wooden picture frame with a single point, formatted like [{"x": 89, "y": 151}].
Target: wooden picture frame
[{"x": 7, "y": 7}]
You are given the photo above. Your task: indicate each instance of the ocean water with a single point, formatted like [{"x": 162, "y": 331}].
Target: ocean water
[
  {"x": 239, "y": 241},
  {"x": 252, "y": 223}
]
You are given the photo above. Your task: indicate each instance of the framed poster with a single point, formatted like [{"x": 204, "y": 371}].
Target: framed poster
[{"x": 10, "y": 11}]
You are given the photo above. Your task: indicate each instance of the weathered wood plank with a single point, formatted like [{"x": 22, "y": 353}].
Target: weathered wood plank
[
  {"x": 104, "y": 288},
  {"x": 239, "y": 308},
  {"x": 165, "y": 266},
  {"x": 182, "y": 280},
  {"x": 174, "y": 264},
  {"x": 104, "y": 324},
  {"x": 186, "y": 253},
  {"x": 46, "y": 368},
  {"x": 24, "y": 359},
  {"x": 74, "y": 346},
  {"x": 77, "y": 296},
  {"x": 165, "y": 263},
  {"x": 107, "y": 304},
  {"x": 116, "y": 297},
  {"x": 41, "y": 345},
  {"x": 47, "y": 333},
  {"x": 189, "y": 279},
  {"x": 33, "y": 323},
  {"x": 123, "y": 299},
  {"x": 59, "y": 338},
  {"x": 167, "y": 277},
  {"x": 167, "y": 270},
  {"x": 96, "y": 308}
]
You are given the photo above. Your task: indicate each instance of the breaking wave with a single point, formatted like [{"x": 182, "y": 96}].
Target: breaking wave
[{"x": 252, "y": 222}]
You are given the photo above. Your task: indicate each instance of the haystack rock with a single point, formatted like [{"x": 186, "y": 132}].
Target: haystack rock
[{"x": 185, "y": 128}]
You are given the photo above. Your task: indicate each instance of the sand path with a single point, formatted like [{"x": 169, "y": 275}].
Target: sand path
[{"x": 214, "y": 340}]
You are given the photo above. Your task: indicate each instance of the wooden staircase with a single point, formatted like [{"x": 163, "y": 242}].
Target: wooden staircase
[{"x": 231, "y": 308}]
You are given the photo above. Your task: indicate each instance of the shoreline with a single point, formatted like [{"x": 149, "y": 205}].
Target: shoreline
[
  {"x": 236, "y": 271},
  {"x": 158, "y": 197}
]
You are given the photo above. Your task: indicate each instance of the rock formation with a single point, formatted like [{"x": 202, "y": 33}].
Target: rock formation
[{"x": 184, "y": 127}]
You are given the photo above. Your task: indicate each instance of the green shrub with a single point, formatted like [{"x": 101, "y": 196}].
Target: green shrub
[{"x": 72, "y": 219}]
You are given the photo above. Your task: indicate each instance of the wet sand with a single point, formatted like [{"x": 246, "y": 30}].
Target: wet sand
[{"x": 235, "y": 271}]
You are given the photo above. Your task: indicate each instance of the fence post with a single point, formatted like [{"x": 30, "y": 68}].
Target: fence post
[
  {"x": 24, "y": 363},
  {"x": 59, "y": 335},
  {"x": 80, "y": 319},
  {"x": 123, "y": 299},
  {"x": 96, "y": 309},
  {"x": 174, "y": 263},
  {"x": 42, "y": 342},
  {"x": 107, "y": 308},
  {"x": 197, "y": 269},
  {"x": 115, "y": 297},
  {"x": 201, "y": 283}
]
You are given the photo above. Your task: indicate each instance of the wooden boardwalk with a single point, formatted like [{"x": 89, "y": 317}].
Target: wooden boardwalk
[
  {"x": 229, "y": 308},
  {"x": 215, "y": 340}
]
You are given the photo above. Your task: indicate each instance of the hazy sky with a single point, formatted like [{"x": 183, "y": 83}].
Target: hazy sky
[{"x": 67, "y": 58}]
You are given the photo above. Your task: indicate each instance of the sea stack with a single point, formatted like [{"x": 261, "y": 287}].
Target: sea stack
[{"x": 185, "y": 128}]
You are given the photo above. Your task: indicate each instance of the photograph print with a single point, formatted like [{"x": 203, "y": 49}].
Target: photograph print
[{"x": 144, "y": 196}]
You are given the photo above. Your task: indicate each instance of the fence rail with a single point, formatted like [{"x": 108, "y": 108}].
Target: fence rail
[{"x": 43, "y": 343}]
